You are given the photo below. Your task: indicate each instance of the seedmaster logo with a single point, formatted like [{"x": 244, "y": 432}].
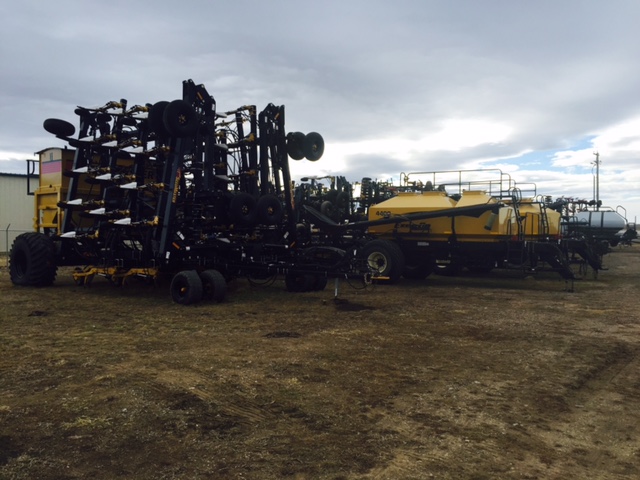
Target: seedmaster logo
[{"x": 176, "y": 187}]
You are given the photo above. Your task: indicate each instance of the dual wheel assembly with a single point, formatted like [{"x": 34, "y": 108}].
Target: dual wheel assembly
[
  {"x": 309, "y": 146},
  {"x": 247, "y": 211},
  {"x": 190, "y": 286},
  {"x": 177, "y": 118}
]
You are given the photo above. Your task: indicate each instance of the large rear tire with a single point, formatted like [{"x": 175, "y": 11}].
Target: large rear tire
[
  {"x": 186, "y": 287},
  {"x": 384, "y": 258},
  {"x": 214, "y": 286},
  {"x": 32, "y": 261}
]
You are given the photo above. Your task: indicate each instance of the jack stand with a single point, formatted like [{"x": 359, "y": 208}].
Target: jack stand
[{"x": 336, "y": 300}]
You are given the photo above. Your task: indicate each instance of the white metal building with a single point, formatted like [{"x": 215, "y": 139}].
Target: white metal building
[{"x": 16, "y": 208}]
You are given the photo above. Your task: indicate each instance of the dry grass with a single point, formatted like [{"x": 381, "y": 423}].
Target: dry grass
[{"x": 450, "y": 378}]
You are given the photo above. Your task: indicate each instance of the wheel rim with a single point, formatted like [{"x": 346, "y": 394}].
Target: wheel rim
[
  {"x": 377, "y": 261},
  {"x": 181, "y": 290}
]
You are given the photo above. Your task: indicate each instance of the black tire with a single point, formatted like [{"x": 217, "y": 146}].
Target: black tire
[
  {"x": 384, "y": 258},
  {"x": 299, "y": 282},
  {"x": 32, "y": 261},
  {"x": 327, "y": 208},
  {"x": 186, "y": 287},
  {"x": 270, "y": 211},
  {"x": 313, "y": 146},
  {"x": 156, "y": 118},
  {"x": 342, "y": 201},
  {"x": 418, "y": 269},
  {"x": 331, "y": 195},
  {"x": 180, "y": 119},
  {"x": 320, "y": 283},
  {"x": 481, "y": 267},
  {"x": 214, "y": 285},
  {"x": 60, "y": 128},
  {"x": 295, "y": 145},
  {"x": 243, "y": 209},
  {"x": 303, "y": 233},
  {"x": 342, "y": 205}
]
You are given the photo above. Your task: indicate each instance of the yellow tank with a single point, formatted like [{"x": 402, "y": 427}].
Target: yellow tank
[
  {"x": 474, "y": 228},
  {"x": 538, "y": 221},
  {"x": 499, "y": 222},
  {"x": 412, "y": 202},
  {"x": 482, "y": 225},
  {"x": 54, "y": 169},
  {"x": 52, "y": 188}
]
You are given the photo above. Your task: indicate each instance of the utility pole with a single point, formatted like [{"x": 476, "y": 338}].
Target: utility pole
[{"x": 597, "y": 187}]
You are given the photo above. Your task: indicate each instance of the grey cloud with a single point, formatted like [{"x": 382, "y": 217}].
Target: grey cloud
[{"x": 554, "y": 72}]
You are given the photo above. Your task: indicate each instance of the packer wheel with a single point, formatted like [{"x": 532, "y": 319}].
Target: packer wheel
[
  {"x": 270, "y": 211},
  {"x": 295, "y": 145},
  {"x": 313, "y": 146},
  {"x": 60, "y": 128},
  {"x": 156, "y": 118},
  {"x": 180, "y": 119},
  {"x": 243, "y": 209}
]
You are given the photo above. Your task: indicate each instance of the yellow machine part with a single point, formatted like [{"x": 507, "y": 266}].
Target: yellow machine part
[
  {"x": 486, "y": 228},
  {"x": 119, "y": 276},
  {"x": 536, "y": 221},
  {"x": 54, "y": 186}
]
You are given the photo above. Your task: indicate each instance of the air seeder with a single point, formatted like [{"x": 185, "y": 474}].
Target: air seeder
[
  {"x": 450, "y": 220},
  {"x": 476, "y": 219},
  {"x": 179, "y": 189}
]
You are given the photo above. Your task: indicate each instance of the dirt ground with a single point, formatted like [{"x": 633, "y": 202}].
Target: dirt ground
[{"x": 449, "y": 378}]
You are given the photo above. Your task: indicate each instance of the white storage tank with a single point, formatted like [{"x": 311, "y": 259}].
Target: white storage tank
[
  {"x": 602, "y": 219},
  {"x": 599, "y": 224}
]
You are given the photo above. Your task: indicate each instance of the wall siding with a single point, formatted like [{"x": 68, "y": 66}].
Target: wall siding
[{"x": 16, "y": 208}]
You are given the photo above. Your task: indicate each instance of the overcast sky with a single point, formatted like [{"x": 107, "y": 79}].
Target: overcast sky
[{"x": 532, "y": 88}]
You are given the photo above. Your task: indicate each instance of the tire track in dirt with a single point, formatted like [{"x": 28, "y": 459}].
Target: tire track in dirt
[
  {"x": 599, "y": 433},
  {"x": 167, "y": 383},
  {"x": 428, "y": 440},
  {"x": 242, "y": 408},
  {"x": 606, "y": 394}
]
